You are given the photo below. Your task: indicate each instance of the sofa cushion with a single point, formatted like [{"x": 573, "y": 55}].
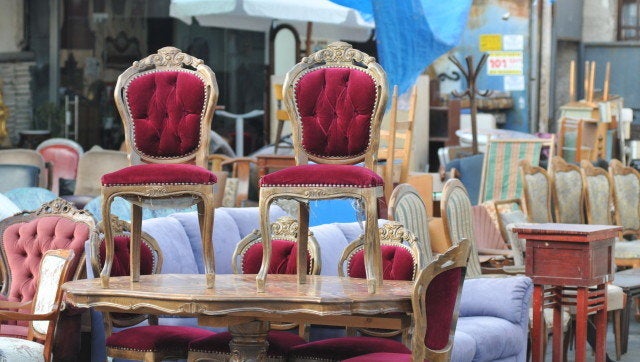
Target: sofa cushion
[
  {"x": 7, "y": 207},
  {"x": 495, "y": 338},
  {"x": 501, "y": 298},
  {"x": 178, "y": 258}
]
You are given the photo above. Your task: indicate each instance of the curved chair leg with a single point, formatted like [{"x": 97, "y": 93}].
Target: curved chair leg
[
  {"x": 205, "y": 219},
  {"x": 372, "y": 255},
  {"x": 263, "y": 206},
  {"x": 303, "y": 241},
  {"x": 107, "y": 199},
  {"x": 134, "y": 242}
]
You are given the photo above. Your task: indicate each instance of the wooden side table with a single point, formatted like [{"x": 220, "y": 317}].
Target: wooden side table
[
  {"x": 269, "y": 162},
  {"x": 629, "y": 281},
  {"x": 569, "y": 257}
]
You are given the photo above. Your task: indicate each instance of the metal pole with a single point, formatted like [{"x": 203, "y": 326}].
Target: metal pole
[
  {"x": 535, "y": 68},
  {"x": 545, "y": 66},
  {"x": 54, "y": 51}
]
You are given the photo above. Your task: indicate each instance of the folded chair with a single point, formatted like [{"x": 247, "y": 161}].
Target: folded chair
[
  {"x": 147, "y": 343},
  {"x": 336, "y": 98},
  {"x": 43, "y": 313},
  {"x": 435, "y": 301},
  {"x": 166, "y": 102}
]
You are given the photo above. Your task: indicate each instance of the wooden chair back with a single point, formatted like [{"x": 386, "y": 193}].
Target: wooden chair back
[
  {"x": 626, "y": 197},
  {"x": 536, "y": 190},
  {"x": 408, "y": 208},
  {"x": 598, "y": 193}
]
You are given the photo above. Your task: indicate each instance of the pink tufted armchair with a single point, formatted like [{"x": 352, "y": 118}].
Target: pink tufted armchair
[
  {"x": 166, "y": 102},
  {"x": 25, "y": 238},
  {"x": 335, "y": 98}
]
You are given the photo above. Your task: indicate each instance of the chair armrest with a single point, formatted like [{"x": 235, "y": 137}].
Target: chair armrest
[
  {"x": 5, "y": 304},
  {"x": 507, "y": 298}
]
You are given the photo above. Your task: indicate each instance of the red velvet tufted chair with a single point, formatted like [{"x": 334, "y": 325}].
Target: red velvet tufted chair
[
  {"x": 246, "y": 259},
  {"x": 26, "y": 237},
  {"x": 336, "y": 98},
  {"x": 151, "y": 342},
  {"x": 166, "y": 102},
  {"x": 435, "y": 302}
]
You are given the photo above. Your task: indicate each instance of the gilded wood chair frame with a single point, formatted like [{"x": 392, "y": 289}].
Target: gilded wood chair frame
[
  {"x": 336, "y": 55},
  {"x": 167, "y": 59},
  {"x": 123, "y": 228},
  {"x": 42, "y": 325},
  {"x": 395, "y": 234},
  {"x": 566, "y": 179}
]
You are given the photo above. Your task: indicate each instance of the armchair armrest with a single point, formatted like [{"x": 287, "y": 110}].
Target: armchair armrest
[
  {"x": 5, "y": 304},
  {"x": 507, "y": 298}
]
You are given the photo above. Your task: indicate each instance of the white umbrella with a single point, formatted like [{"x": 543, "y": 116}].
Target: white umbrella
[{"x": 330, "y": 20}]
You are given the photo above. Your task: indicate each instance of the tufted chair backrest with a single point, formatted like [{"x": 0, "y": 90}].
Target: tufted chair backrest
[
  {"x": 26, "y": 237},
  {"x": 400, "y": 254},
  {"x": 336, "y": 98},
  {"x": 166, "y": 102},
  {"x": 247, "y": 257},
  {"x": 568, "y": 195}
]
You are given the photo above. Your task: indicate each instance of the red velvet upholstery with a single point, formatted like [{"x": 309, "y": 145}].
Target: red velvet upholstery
[
  {"x": 166, "y": 108},
  {"x": 283, "y": 258},
  {"x": 280, "y": 343},
  {"x": 121, "y": 253},
  {"x": 154, "y": 174},
  {"x": 323, "y": 175},
  {"x": 25, "y": 243},
  {"x": 440, "y": 302},
  {"x": 337, "y": 349},
  {"x": 156, "y": 338},
  {"x": 65, "y": 161},
  {"x": 335, "y": 106},
  {"x": 382, "y": 357},
  {"x": 397, "y": 263}
]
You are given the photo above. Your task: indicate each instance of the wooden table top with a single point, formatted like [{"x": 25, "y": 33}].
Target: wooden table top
[
  {"x": 582, "y": 232},
  {"x": 186, "y": 294}
]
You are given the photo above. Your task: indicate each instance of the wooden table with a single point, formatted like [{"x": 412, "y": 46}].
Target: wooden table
[
  {"x": 569, "y": 257},
  {"x": 268, "y": 162},
  {"x": 234, "y": 302}
]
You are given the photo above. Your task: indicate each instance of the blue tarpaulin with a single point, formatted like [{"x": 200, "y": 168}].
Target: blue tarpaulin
[{"x": 411, "y": 34}]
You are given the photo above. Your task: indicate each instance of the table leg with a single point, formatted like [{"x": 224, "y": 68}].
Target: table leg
[
  {"x": 626, "y": 314},
  {"x": 249, "y": 341},
  {"x": 581, "y": 324},
  {"x": 601, "y": 324},
  {"x": 537, "y": 332}
]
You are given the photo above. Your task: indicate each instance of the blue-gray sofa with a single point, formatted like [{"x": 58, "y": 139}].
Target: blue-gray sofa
[{"x": 493, "y": 321}]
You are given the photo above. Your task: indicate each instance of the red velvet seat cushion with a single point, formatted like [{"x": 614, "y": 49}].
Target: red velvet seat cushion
[
  {"x": 336, "y": 107},
  {"x": 156, "y": 338},
  {"x": 283, "y": 258},
  {"x": 397, "y": 263},
  {"x": 382, "y": 357},
  {"x": 322, "y": 175},
  {"x": 337, "y": 349},
  {"x": 159, "y": 174},
  {"x": 121, "y": 252},
  {"x": 280, "y": 343},
  {"x": 166, "y": 110}
]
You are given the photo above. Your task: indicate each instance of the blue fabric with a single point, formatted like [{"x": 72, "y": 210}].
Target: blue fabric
[
  {"x": 29, "y": 198},
  {"x": 470, "y": 169},
  {"x": 122, "y": 208},
  {"x": 7, "y": 207},
  {"x": 410, "y": 35}
]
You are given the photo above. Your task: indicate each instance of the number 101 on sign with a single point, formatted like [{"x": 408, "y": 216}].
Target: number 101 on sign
[{"x": 505, "y": 63}]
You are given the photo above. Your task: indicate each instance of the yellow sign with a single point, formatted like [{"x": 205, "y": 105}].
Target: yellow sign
[{"x": 490, "y": 42}]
